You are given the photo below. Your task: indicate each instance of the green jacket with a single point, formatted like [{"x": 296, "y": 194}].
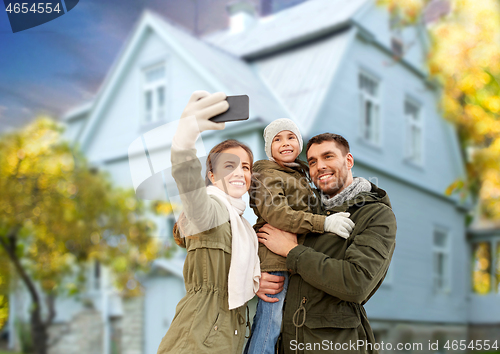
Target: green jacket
[
  {"x": 203, "y": 322},
  {"x": 333, "y": 278},
  {"x": 282, "y": 197}
]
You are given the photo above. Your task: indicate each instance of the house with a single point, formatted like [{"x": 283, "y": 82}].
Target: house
[{"x": 330, "y": 65}]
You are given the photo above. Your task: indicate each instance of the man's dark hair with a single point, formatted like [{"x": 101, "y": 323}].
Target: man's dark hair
[{"x": 339, "y": 139}]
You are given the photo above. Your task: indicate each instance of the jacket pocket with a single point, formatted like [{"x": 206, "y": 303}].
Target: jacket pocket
[
  {"x": 215, "y": 329},
  {"x": 328, "y": 328},
  {"x": 334, "y": 320}
]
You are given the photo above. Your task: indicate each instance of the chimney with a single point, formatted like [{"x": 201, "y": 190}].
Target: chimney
[{"x": 242, "y": 15}]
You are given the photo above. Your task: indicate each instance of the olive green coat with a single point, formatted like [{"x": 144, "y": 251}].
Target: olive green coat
[
  {"x": 282, "y": 197},
  {"x": 333, "y": 278},
  {"x": 203, "y": 322}
]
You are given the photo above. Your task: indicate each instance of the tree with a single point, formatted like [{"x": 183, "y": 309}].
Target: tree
[
  {"x": 465, "y": 58},
  {"x": 4, "y": 289},
  {"x": 57, "y": 214}
]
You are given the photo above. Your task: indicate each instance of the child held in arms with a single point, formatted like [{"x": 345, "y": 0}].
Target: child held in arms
[{"x": 281, "y": 195}]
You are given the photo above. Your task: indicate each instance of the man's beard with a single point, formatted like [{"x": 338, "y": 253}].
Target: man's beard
[{"x": 334, "y": 187}]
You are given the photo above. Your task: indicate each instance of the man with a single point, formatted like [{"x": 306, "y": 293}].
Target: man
[{"x": 331, "y": 277}]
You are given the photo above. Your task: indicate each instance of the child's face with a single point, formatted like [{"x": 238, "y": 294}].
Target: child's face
[{"x": 285, "y": 147}]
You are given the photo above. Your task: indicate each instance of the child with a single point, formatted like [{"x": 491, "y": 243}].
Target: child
[{"x": 282, "y": 196}]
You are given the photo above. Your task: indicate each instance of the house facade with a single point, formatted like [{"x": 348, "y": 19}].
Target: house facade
[{"x": 331, "y": 66}]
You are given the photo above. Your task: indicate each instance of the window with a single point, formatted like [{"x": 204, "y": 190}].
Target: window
[
  {"x": 497, "y": 269},
  {"x": 397, "y": 46},
  {"x": 414, "y": 132},
  {"x": 441, "y": 261},
  {"x": 95, "y": 275},
  {"x": 481, "y": 268},
  {"x": 396, "y": 24},
  {"x": 369, "y": 88},
  {"x": 154, "y": 93}
]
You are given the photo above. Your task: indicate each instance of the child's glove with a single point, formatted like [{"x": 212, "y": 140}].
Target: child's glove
[
  {"x": 339, "y": 224},
  {"x": 195, "y": 118}
]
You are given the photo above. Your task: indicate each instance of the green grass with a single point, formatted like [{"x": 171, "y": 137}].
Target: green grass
[{"x": 4, "y": 352}]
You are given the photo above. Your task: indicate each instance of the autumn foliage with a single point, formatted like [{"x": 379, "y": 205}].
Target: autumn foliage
[
  {"x": 464, "y": 58},
  {"x": 58, "y": 214}
]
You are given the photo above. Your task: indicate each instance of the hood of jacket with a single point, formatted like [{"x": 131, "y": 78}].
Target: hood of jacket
[{"x": 262, "y": 165}]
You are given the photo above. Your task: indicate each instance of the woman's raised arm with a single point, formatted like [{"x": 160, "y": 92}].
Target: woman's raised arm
[{"x": 202, "y": 211}]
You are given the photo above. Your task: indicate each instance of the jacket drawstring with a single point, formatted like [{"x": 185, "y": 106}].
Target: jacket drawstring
[
  {"x": 295, "y": 319},
  {"x": 241, "y": 319},
  {"x": 248, "y": 323}
]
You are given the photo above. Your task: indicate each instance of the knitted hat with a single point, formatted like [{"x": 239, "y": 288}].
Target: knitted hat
[{"x": 277, "y": 127}]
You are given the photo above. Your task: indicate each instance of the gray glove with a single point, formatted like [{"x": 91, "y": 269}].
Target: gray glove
[
  {"x": 195, "y": 118},
  {"x": 339, "y": 224}
]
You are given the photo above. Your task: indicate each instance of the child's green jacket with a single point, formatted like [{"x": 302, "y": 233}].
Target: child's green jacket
[{"x": 282, "y": 197}]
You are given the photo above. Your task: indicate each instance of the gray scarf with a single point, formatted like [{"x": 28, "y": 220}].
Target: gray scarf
[{"x": 358, "y": 185}]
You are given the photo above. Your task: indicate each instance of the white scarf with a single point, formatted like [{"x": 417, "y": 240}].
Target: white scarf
[{"x": 244, "y": 270}]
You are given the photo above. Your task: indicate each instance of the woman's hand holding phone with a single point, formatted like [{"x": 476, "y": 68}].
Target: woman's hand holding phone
[{"x": 196, "y": 117}]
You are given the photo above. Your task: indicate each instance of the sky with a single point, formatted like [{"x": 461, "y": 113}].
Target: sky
[{"x": 58, "y": 65}]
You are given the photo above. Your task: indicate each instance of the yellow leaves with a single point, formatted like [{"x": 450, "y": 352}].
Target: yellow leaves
[
  {"x": 465, "y": 57},
  {"x": 21, "y": 154},
  {"x": 472, "y": 82},
  {"x": 407, "y": 10},
  {"x": 95, "y": 238},
  {"x": 4, "y": 310},
  {"x": 133, "y": 232},
  {"x": 131, "y": 203},
  {"x": 67, "y": 162},
  {"x": 162, "y": 208},
  {"x": 493, "y": 104},
  {"x": 457, "y": 185},
  {"x": 68, "y": 213},
  {"x": 481, "y": 280},
  {"x": 120, "y": 264}
]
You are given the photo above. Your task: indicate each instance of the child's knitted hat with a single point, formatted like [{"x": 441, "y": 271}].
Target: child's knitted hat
[{"x": 277, "y": 127}]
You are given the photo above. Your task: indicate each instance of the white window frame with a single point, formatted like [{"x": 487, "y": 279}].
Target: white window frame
[
  {"x": 441, "y": 282},
  {"x": 157, "y": 112},
  {"x": 372, "y": 134},
  {"x": 414, "y": 125}
]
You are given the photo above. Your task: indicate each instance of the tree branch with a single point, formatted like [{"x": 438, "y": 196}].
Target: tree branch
[{"x": 17, "y": 264}]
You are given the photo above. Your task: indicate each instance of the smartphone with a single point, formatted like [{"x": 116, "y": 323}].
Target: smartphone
[{"x": 238, "y": 110}]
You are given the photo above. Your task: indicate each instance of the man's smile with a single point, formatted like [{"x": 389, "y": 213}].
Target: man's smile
[{"x": 325, "y": 177}]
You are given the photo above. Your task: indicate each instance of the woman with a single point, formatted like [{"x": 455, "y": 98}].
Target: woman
[{"x": 221, "y": 270}]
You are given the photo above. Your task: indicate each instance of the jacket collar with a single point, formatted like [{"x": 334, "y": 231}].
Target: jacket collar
[
  {"x": 376, "y": 195},
  {"x": 261, "y": 165}
]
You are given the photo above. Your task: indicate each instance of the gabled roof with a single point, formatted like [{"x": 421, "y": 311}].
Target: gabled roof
[
  {"x": 289, "y": 27},
  {"x": 234, "y": 74},
  {"x": 303, "y": 77},
  {"x": 78, "y": 111},
  {"x": 226, "y": 72}
]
